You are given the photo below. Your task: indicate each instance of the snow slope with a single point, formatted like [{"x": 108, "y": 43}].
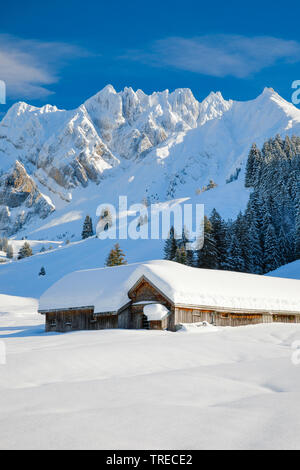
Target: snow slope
[
  {"x": 162, "y": 146},
  {"x": 36, "y": 245},
  {"x": 21, "y": 277},
  {"x": 17, "y": 306},
  {"x": 291, "y": 271},
  {"x": 233, "y": 388}
]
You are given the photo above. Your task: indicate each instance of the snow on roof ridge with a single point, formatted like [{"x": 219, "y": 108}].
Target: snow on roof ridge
[{"x": 181, "y": 284}]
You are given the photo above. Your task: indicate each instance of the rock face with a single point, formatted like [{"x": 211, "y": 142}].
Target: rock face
[
  {"x": 162, "y": 141},
  {"x": 20, "y": 200}
]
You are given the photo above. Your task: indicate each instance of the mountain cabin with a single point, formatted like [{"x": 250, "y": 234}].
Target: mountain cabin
[{"x": 161, "y": 295}]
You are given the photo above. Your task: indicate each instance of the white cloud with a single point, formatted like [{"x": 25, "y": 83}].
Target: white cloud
[
  {"x": 219, "y": 55},
  {"x": 29, "y": 66}
]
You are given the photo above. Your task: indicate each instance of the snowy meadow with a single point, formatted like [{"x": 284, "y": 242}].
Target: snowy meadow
[{"x": 202, "y": 388}]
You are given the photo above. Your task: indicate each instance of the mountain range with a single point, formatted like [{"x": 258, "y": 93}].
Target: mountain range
[{"x": 57, "y": 165}]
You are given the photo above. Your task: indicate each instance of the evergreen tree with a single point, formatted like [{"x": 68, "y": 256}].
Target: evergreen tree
[
  {"x": 219, "y": 233},
  {"x": 184, "y": 243},
  {"x": 184, "y": 238},
  {"x": 25, "y": 251},
  {"x": 87, "y": 230},
  {"x": 234, "y": 259},
  {"x": 181, "y": 255},
  {"x": 116, "y": 257},
  {"x": 283, "y": 248},
  {"x": 190, "y": 258},
  {"x": 254, "y": 261},
  {"x": 271, "y": 255},
  {"x": 171, "y": 246},
  {"x": 42, "y": 271},
  {"x": 253, "y": 166},
  {"x": 207, "y": 257},
  {"x": 240, "y": 232}
]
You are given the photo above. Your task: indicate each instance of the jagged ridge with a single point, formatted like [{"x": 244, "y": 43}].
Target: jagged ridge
[{"x": 166, "y": 140}]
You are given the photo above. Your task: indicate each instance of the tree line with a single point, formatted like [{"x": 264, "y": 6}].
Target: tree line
[{"x": 267, "y": 234}]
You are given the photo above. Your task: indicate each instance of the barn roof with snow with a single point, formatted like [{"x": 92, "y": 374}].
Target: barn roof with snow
[{"x": 106, "y": 289}]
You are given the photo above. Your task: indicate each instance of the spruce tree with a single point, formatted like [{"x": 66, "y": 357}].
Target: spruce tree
[
  {"x": 171, "y": 246},
  {"x": 87, "y": 230},
  {"x": 254, "y": 261},
  {"x": 234, "y": 259},
  {"x": 190, "y": 258},
  {"x": 219, "y": 232},
  {"x": 184, "y": 243},
  {"x": 252, "y": 167},
  {"x": 181, "y": 255},
  {"x": 283, "y": 248},
  {"x": 207, "y": 257},
  {"x": 25, "y": 251},
  {"x": 271, "y": 255},
  {"x": 116, "y": 257}
]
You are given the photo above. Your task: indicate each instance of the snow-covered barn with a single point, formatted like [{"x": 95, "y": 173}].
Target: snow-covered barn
[{"x": 164, "y": 294}]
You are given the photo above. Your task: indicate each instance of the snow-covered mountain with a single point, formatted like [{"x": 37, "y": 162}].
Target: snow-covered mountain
[{"x": 59, "y": 165}]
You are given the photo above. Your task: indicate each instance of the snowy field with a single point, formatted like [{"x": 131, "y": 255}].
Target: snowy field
[{"x": 199, "y": 389}]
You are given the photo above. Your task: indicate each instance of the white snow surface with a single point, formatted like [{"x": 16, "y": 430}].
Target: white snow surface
[
  {"x": 291, "y": 271},
  {"x": 106, "y": 288},
  {"x": 17, "y": 305},
  {"x": 197, "y": 327},
  {"x": 155, "y": 311},
  {"x": 235, "y": 388}
]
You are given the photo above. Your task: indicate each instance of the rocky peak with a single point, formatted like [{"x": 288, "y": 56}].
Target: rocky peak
[
  {"x": 20, "y": 199},
  {"x": 213, "y": 106}
]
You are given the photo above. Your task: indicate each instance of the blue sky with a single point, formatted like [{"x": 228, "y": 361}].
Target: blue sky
[{"x": 62, "y": 52}]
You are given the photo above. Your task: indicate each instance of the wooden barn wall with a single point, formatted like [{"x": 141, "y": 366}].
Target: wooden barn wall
[
  {"x": 169, "y": 322},
  {"x": 136, "y": 316},
  {"x": 145, "y": 292},
  {"x": 286, "y": 318},
  {"x": 73, "y": 320},
  {"x": 124, "y": 319},
  {"x": 105, "y": 322},
  {"x": 185, "y": 315},
  {"x": 132, "y": 317},
  {"x": 69, "y": 320}
]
